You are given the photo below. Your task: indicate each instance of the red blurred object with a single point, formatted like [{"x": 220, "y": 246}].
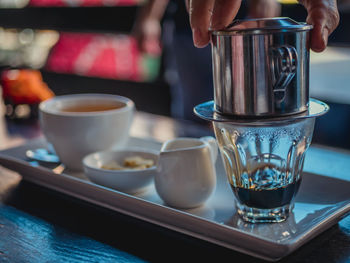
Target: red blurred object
[
  {"x": 24, "y": 87},
  {"x": 99, "y": 55},
  {"x": 83, "y": 2}
]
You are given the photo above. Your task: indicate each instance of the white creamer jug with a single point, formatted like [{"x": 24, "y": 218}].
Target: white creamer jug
[{"x": 186, "y": 172}]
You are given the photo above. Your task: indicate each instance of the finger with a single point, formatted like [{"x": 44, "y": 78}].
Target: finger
[
  {"x": 200, "y": 12},
  {"x": 224, "y": 12},
  {"x": 319, "y": 34},
  {"x": 324, "y": 16}
]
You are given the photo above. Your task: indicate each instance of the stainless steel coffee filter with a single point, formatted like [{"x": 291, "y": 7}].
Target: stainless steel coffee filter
[{"x": 261, "y": 67}]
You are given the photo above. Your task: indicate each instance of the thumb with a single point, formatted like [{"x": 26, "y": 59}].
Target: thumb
[{"x": 324, "y": 16}]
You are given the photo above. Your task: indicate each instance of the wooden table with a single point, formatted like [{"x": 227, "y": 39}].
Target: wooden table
[{"x": 38, "y": 225}]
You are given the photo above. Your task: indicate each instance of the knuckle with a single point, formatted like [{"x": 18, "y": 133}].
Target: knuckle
[
  {"x": 327, "y": 15},
  {"x": 333, "y": 19}
]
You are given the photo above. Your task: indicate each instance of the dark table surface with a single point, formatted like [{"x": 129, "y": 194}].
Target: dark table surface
[{"x": 40, "y": 225}]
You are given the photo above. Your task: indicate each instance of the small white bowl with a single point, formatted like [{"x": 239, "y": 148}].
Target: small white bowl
[{"x": 128, "y": 181}]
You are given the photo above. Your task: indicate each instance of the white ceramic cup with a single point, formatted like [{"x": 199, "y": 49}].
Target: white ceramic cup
[
  {"x": 186, "y": 175},
  {"x": 76, "y": 134}
]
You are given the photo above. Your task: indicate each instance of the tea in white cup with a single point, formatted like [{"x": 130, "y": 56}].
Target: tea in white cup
[{"x": 77, "y": 125}]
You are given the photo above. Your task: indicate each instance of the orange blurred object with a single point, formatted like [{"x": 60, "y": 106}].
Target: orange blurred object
[{"x": 24, "y": 86}]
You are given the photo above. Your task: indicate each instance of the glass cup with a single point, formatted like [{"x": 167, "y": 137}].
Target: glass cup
[{"x": 263, "y": 163}]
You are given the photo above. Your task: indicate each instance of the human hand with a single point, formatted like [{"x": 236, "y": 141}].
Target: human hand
[
  {"x": 324, "y": 16},
  {"x": 147, "y": 28},
  {"x": 208, "y": 15},
  {"x": 147, "y": 34}
]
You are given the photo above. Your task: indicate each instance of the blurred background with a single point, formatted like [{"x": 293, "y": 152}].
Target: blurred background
[{"x": 82, "y": 46}]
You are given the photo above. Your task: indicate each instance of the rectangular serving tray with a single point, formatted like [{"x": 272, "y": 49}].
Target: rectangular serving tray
[{"x": 323, "y": 199}]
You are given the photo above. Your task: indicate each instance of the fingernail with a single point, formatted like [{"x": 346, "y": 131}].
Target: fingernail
[
  {"x": 196, "y": 34},
  {"x": 325, "y": 36}
]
